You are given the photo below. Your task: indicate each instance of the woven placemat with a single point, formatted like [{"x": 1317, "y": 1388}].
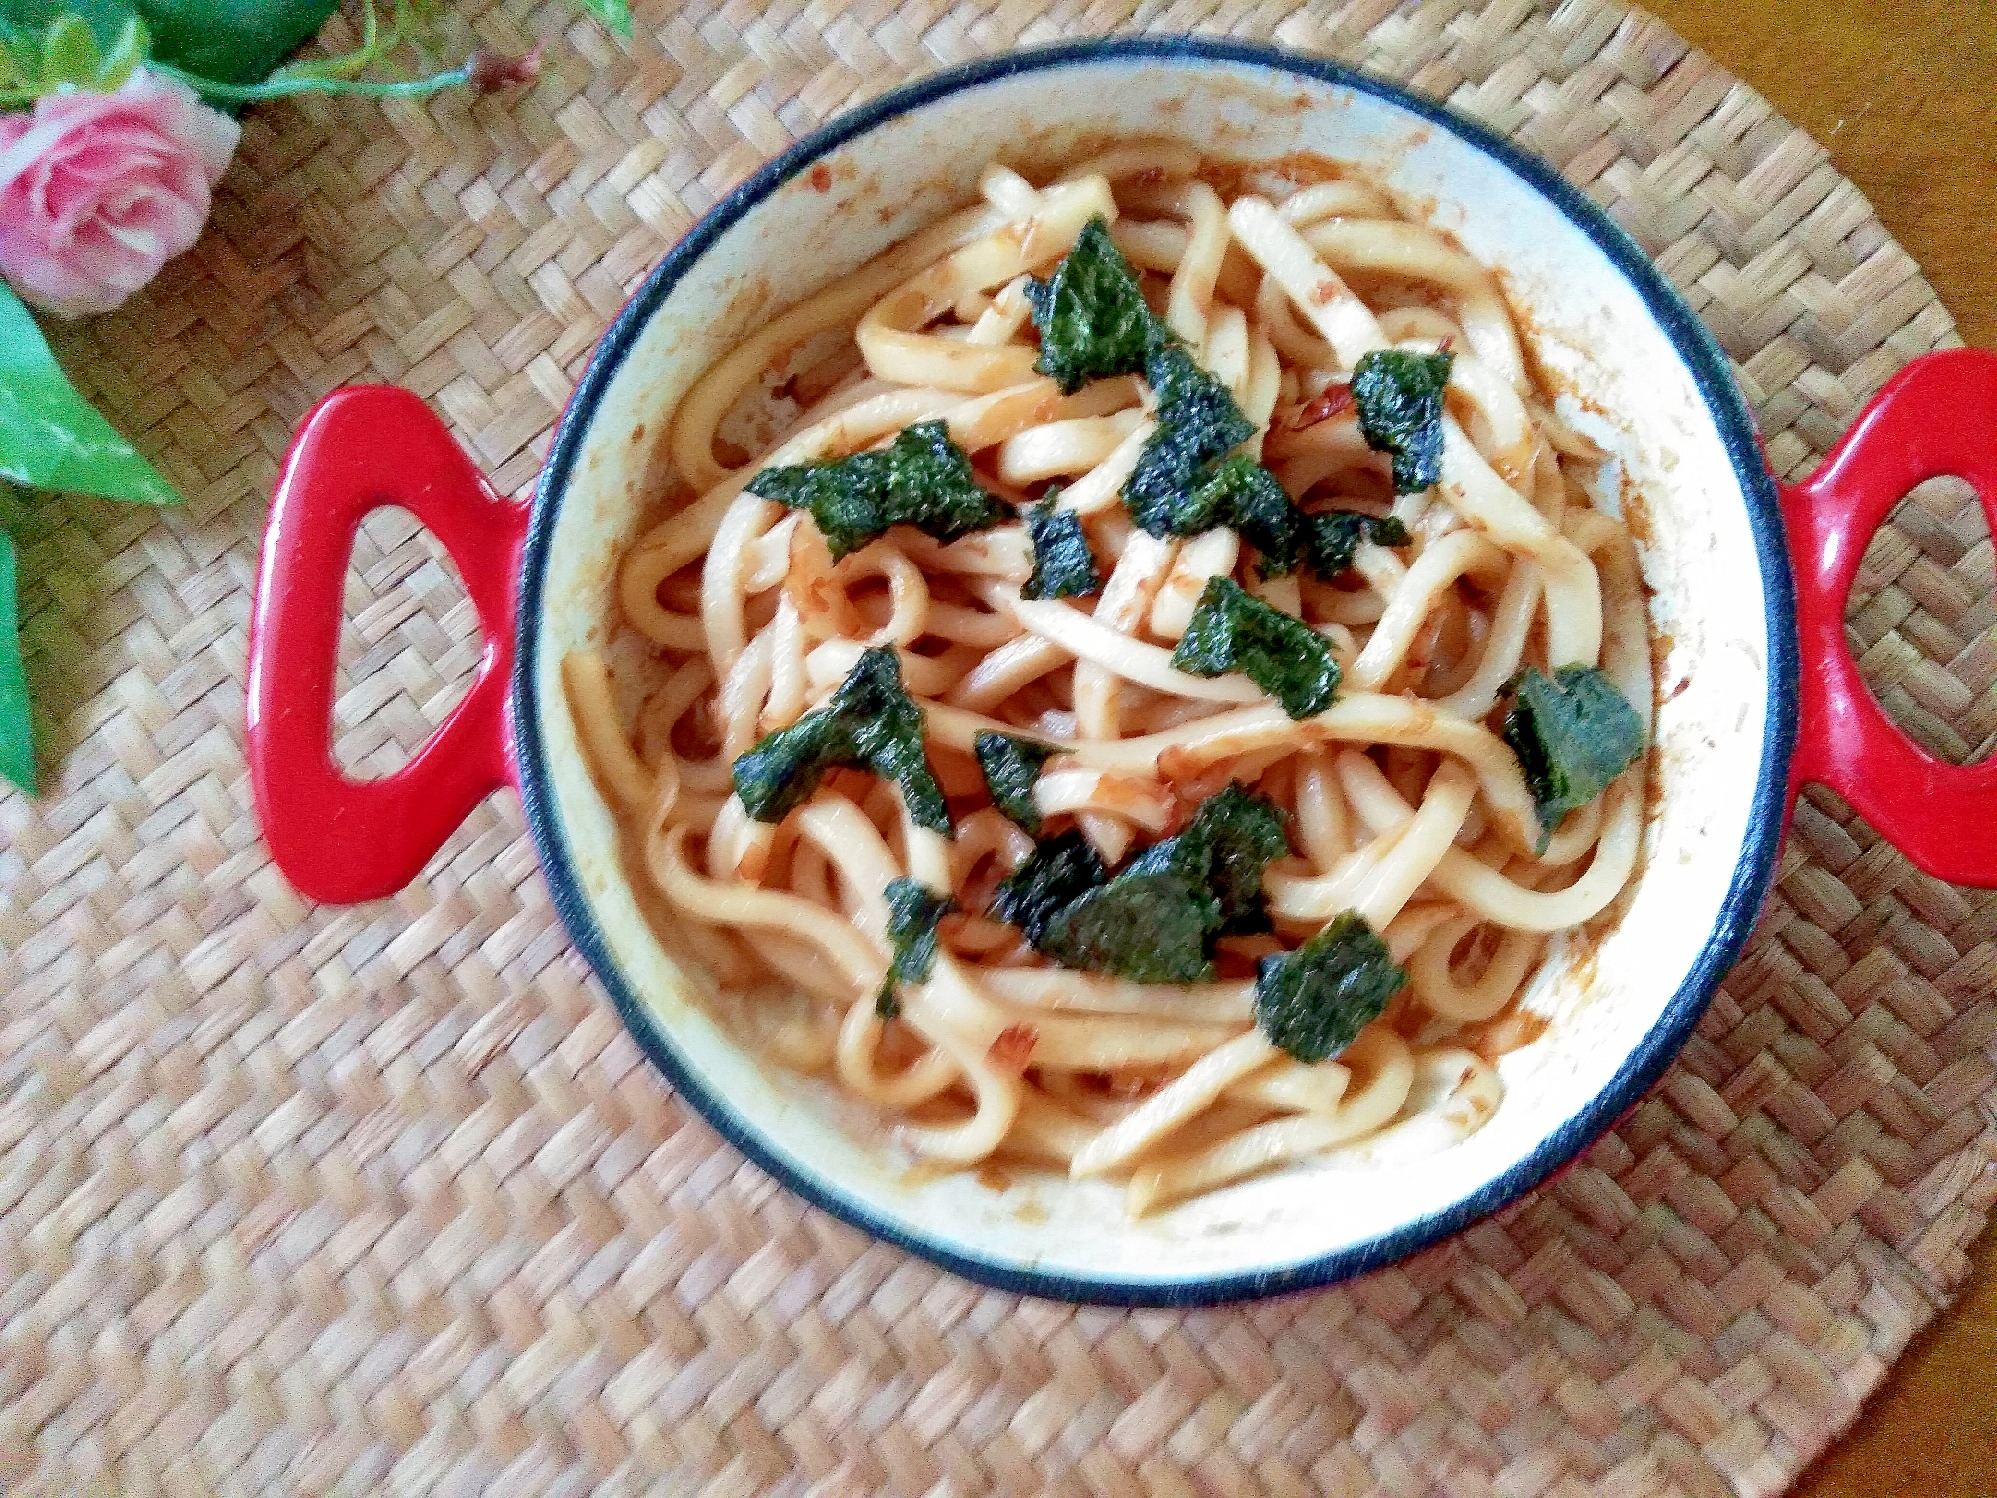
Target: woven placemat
[{"x": 300, "y": 1199}]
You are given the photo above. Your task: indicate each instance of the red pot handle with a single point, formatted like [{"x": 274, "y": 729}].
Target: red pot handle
[
  {"x": 339, "y": 839},
  {"x": 1937, "y": 416}
]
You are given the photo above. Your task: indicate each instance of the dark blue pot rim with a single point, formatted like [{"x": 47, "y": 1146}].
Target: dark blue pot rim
[{"x": 1751, "y": 877}]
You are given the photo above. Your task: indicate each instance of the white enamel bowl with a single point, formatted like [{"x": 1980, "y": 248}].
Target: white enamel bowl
[{"x": 1609, "y": 333}]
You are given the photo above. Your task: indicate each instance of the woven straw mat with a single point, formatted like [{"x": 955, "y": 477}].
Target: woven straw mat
[{"x": 299, "y": 1199}]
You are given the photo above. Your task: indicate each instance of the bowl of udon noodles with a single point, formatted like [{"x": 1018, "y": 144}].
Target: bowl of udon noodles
[{"x": 1155, "y": 669}]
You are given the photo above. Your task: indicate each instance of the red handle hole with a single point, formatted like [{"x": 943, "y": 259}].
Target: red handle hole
[
  {"x": 409, "y": 644},
  {"x": 1921, "y": 623},
  {"x": 336, "y": 838}
]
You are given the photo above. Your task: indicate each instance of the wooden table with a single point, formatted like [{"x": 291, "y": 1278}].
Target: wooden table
[{"x": 1903, "y": 93}]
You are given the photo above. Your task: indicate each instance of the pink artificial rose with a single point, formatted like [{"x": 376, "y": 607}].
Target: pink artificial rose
[{"x": 98, "y": 191}]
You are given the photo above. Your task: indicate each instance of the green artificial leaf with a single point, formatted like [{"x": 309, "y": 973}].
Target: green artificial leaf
[
  {"x": 69, "y": 52},
  {"x": 1147, "y": 927},
  {"x": 65, "y": 51},
  {"x": 1399, "y": 398},
  {"x": 921, "y": 479},
  {"x": 1198, "y": 422},
  {"x": 1232, "y": 838},
  {"x": 1241, "y": 494},
  {"x": 20, "y": 63},
  {"x": 229, "y": 41},
  {"x": 1063, "y": 565},
  {"x": 1231, "y": 630},
  {"x": 1091, "y": 315},
  {"x": 869, "y": 723},
  {"x": 1010, "y": 766},
  {"x": 913, "y": 913},
  {"x": 50, "y": 436},
  {"x": 1313, "y": 1002},
  {"x": 616, "y": 14},
  {"x": 1573, "y": 734},
  {"x": 27, "y": 25},
  {"x": 1330, "y": 540},
  {"x": 128, "y": 49},
  {"x": 17, "y": 741},
  {"x": 232, "y": 41},
  {"x": 105, "y": 18},
  {"x": 1058, "y": 872},
  {"x": 20, "y": 66}
]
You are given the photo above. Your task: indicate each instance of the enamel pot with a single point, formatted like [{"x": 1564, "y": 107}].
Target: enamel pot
[{"x": 1757, "y": 690}]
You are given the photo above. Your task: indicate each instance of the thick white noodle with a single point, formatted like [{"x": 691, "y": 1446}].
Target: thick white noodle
[{"x": 1403, "y": 804}]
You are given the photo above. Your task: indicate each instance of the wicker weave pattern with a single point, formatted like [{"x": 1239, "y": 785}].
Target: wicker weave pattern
[{"x": 383, "y": 1199}]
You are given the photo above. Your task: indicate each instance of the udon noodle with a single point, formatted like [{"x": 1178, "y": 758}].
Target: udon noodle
[{"x": 1402, "y": 801}]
